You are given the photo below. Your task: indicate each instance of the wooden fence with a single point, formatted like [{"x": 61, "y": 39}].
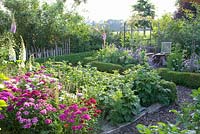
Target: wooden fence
[{"x": 45, "y": 52}]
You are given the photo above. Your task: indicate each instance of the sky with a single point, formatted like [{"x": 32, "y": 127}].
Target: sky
[{"x": 120, "y": 9}]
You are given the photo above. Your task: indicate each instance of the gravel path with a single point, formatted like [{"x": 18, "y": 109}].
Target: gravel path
[{"x": 163, "y": 115}]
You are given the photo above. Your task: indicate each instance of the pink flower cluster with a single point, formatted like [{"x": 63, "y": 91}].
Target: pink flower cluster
[
  {"x": 78, "y": 115},
  {"x": 41, "y": 108},
  {"x": 31, "y": 99},
  {"x": 28, "y": 97}
]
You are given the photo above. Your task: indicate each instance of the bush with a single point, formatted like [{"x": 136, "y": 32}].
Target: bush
[
  {"x": 72, "y": 58},
  {"x": 150, "y": 89},
  {"x": 106, "y": 67},
  {"x": 174, "y": 61},
  {"x": 89, "y": 59},
  {"x": 111, "y": 54},
  {"x": 128, "y": 66},
  {"x": 191, "y": 80},
  {"x": 170, "y": 96}
]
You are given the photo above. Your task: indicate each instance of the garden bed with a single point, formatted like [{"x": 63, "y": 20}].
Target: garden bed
[{"x": 160, "y": 115}]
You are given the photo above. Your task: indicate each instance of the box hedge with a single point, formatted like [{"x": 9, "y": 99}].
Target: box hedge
[
  {"x": 106, "y": 67},
  {"x": 172, "y": 95},
  {"x": 188, "y": 79}
]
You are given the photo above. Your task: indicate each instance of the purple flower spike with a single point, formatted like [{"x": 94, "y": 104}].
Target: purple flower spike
[{"x": 13, "y": 27}]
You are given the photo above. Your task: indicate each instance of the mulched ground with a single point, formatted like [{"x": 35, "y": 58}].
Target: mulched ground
[{"x": 162, "y": 115}]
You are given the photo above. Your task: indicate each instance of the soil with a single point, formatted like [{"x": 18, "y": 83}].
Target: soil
[{"x": 162, "y": 115}]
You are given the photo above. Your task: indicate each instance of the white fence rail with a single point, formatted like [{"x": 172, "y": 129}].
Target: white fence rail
[{"x": 45, "y": 52}]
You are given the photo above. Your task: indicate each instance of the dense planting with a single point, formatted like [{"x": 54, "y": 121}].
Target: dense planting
[{"x": 34, "y": 104}]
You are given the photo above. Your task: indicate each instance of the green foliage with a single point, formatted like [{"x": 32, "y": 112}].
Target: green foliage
[
  {"x": 7, "y": 42},
  {"x": 174, "y": 61},
  {"x": 72, "y": 58},
  {"x": 112, "y": 91},
  {"x": 150, "y": 89},
  {"x": 171, "y": 96},
  {"x": 188, "y": 121},
  {"x": 144, "y": 9},
  {"x": 191, "y": 80},
  {"x": 111, "y": 54},
  {"x": 189, "y": 116},
  {"x": 45, "y": 25},
  {"x": 161, "y": 128},
  {"x": 182, "y": 31},
  {"x": 106, "y": 67}
]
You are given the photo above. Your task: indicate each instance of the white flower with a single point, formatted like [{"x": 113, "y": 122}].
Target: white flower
[
  {"x": 2, "y": 86},
  {"x": 12, "y": 54}
]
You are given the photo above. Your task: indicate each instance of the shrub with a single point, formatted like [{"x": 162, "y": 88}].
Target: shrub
[
  {"x": 150, "y": 88},
  {"x": 106, "y": 67},
  {"x": 111, "y": 54},
  {"x": 89, "y": 59},
  {"x": 162, "y": 128},
  {"x": 128, "y": 66},
  {"x": 191, "y": 80},
  {"x": 72, "y": 58},
  {"x": 174, "y": 61},
  {"x": 170, "y": 96}
]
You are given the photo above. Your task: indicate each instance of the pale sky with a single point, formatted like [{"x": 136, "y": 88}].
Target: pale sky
[{"x": 120, "y": 9}]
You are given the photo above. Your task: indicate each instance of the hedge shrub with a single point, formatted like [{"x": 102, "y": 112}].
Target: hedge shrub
[
  {"x": 106, "y": 67},
  {"x": 71, "y": 58},
  {"x": 191, "y": 80},
  {"x": 170, "y": 96},
  {"x": 148, "y": 85}
]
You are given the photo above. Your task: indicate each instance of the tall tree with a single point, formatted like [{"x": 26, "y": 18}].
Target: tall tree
[
  {"x": 186, "y": 9},
  {"x": 145, "y": 10}
]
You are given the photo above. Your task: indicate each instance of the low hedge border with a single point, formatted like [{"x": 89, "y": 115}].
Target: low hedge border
[
  {"x": 106, "y": 67},
  {"x": 188, "y": 79}
]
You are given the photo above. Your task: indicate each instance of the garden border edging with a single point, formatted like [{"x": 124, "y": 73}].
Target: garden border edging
[{"x": 151, "y": 109}]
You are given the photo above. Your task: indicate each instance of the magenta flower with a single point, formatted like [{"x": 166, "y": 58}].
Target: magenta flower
[
  {"x": 34, "y": 120},
  {"x": 18, "y": 113},
  {"x": 74, "y": 107},
  {"x": 48, "y": 121},
  {"x": 2, "y": 116},
  {"x": 86, "y": 117},
  {"x": 43, "y": 112},
  {"x": 26, "y": 112},
  {"x": 79, "y": 127},
  {"x": 78, "y": 112},
  {"x": 71, "y": 120},
  {"x": 62, "y": 117},
  {"x": 31, "y": 99},
  {"x": 83, "y": 109},
  {"x": 62, "y": 106},
  {"x": 28, "y": 125}
]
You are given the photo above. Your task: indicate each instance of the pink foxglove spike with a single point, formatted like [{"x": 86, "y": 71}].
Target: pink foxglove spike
[
  {"x": 104, "y": 36},
  {"x": 13, "y": 27}
]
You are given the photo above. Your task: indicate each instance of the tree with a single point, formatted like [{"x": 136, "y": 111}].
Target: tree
[
  {"x": 186, "y": 9},
  {"x": 43, "y": 25},
  {"x": 145, "y": 10}
]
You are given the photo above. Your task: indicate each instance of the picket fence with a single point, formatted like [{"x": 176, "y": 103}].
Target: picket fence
[{"x": 48, "y": 52}]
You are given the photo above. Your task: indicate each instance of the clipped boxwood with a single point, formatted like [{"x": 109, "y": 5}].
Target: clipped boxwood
[
  {"x": 191, "y": 80},
  {"x": 89, "y": 59},
  {"x": 171, "y": 96},
  {"x": 106, "y": 67}
]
